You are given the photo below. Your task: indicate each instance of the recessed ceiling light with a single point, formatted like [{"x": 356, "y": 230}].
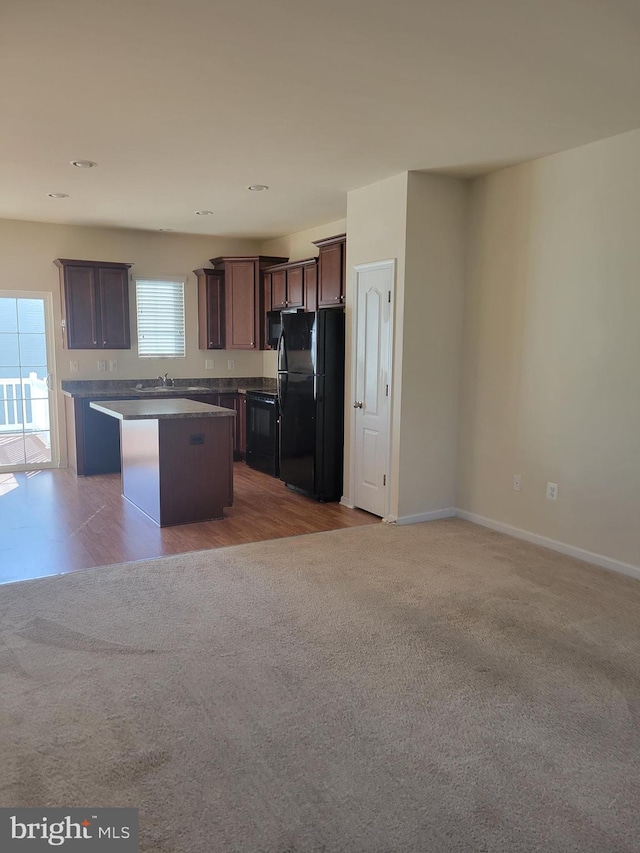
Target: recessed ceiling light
[
  {"x": 58, "y": 195},
  {"x": 83, "y": 164},
  {"x": 204, "y": 212},
  {"x": 258, "y": 188},
  {"x": 165, "y": 229}
]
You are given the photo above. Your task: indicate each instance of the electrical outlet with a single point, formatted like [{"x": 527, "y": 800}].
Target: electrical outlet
[
  {"x": 102, "y": 365},
  {"x": 552, "y": 491},
  {"x": 517, "y": 482},
  {"x": 209, "y": 364},
  {"x": 113, "y": 364},
  {"x": 231, "y": 364},
  {"x": 74, "y": 366}
]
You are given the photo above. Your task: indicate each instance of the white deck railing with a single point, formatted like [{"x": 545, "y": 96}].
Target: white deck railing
[{"x": 24, "y": 404}]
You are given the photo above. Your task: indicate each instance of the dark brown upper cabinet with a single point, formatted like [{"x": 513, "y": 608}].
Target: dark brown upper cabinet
[
  {"x": 289, "y": 283},
  {"x": 95, "y": 302},
  {"x": 331, "y": 270},
  {"x": 244, "y": 299},
  {"x": 211, "y": 317},
  {"x": 278, "y": 289},
  {"x": 295, "y": 287},
  {"x": 266, "y": 291},
  {"x": 310, "y": 272}
]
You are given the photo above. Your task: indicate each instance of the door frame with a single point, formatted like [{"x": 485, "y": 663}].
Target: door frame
[
  {"x": 391, "y": 264},
  {"x": 49, "y": 326}
]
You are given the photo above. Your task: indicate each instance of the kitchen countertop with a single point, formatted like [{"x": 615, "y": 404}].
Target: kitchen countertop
[
  {"x": 109, "y": 389},
  {"x": 135, "y": 410}
]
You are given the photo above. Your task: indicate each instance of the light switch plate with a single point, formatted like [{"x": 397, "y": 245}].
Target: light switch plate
[
  {"x": 102, "y": 365},
  {"x": 74, "y": 366},
  {"x": 113, "y": 364},
  {"x": 209, "y": 364},
  {"x": 231, "y": 364}
]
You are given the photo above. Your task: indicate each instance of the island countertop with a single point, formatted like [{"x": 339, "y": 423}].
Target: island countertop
[{"x": 136, "y": 410}]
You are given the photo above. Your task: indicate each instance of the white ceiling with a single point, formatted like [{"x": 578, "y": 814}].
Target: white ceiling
[{"x": 184, "y": 103}]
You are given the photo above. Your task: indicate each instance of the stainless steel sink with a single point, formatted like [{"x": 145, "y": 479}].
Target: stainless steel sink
[{"x": 173, "y": 389}]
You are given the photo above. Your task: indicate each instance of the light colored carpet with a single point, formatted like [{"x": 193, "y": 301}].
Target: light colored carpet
[{"x": 379, "y": 689}]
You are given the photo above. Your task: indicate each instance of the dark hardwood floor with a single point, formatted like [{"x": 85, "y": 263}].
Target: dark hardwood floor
[{"x": 52, "y": 522}]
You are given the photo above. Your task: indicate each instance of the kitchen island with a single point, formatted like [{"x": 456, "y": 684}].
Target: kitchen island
[
  {"x": 177, "y": 457},
  {"x": 93, "y": 439}
]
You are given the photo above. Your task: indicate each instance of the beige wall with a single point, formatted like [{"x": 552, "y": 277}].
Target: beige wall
[
  {"x": 376, "y": 229},
  {"x": 551, "y": 357},
  {"x": 431, "y": 331},
  {"x": 419, "y": 220},
  {"x": 27, "y": 251},
  {"x": 298, "y": 246}
]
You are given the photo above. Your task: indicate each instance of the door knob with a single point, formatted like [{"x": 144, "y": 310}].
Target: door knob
[{"x": 357, "y": 404}]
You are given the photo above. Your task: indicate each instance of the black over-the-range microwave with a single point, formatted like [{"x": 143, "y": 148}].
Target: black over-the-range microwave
[
  {"x": 274, "y": 324},
  {"x": 274, "y": 327}
]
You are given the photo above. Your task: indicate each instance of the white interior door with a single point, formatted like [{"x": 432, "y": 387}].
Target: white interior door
[
  {"x": 374, "y": 295},
  {"x": 26, "y": 425}
]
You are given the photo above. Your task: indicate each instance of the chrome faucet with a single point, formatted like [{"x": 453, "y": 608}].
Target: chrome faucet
[{"x": 167, "y": 382}]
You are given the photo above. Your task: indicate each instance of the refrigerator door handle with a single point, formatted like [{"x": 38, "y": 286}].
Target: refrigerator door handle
[
  {"x": 282, "y": 352},
  {"x": 282, "y": 391}
]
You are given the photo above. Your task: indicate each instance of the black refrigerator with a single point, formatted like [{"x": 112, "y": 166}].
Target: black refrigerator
[{"x": 311, "y": 400}]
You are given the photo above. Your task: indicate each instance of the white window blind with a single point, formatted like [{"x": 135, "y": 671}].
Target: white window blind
[{"x": 160, "y": 311}]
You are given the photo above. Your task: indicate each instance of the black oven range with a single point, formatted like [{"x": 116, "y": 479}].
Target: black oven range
[{"x": 262, "y": 431}]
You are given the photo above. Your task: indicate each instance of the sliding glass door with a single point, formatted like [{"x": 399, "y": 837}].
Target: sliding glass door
[{"x": 26, "y": 440}]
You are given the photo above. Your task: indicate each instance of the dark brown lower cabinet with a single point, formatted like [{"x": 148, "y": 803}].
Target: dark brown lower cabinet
[
  {"x": 180, "y": 470},
  {"x": 237, "y": 402},
  {"x": 93, "y": 438},
  {"x": 242, "y": 424}
]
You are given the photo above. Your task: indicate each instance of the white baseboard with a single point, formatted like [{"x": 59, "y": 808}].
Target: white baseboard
[
  {"x": 536, "y": 539},
  {"x": 345, "y": 502},
  {"x": 562, "y": 547},
  {"x": 450, "y": 512}
]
